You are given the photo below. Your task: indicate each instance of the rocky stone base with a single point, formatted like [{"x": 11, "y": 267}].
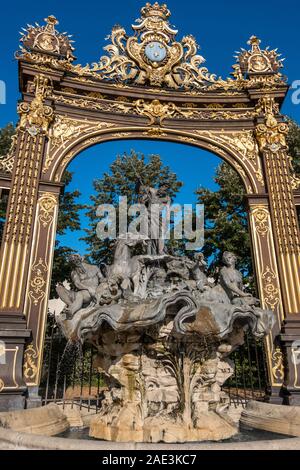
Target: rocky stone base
[
  {"x": 77, "y": 418},
  {"x": 125, "y": 428}
]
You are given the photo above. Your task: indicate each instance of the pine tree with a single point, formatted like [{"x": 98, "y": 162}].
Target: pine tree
[
  {"x": 121, "y": 180},
  {"x": 225, "y": 219},
  {"x": 226, "y": 226}
]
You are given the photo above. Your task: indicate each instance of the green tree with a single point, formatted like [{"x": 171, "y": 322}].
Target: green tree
[
  {"x": 293, "y": 140},
  {"x": 225, "y": 219},
  {"x": 6, "y": 134},
  {"x": 226, "y": 226},
  {"x": 68, "y": 219},
  {"x": 121, "y": 180}
]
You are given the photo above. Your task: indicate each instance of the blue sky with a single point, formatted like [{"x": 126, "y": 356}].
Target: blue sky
[{"x": 220, "y": 27}]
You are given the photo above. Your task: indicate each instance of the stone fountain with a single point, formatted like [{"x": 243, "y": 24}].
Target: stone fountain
[{"x": 163, "y": 331}]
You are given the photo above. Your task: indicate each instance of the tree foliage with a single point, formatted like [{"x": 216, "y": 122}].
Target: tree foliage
[
  {"x": 226, "y": 225},
  {"x": 121, "y": 180},
  {"x": 293, "y": 140},
  {"x": 6, "y": 134},
  {"x": 225, "y": 219},
  {"x": 68, "y": 219}
]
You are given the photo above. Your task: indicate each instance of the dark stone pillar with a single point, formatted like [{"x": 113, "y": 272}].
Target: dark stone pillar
[
  {"x": 290, "y": 338},
  {"x": 13, "y": 335}
]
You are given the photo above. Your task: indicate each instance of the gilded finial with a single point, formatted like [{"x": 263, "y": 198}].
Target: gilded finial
[
  {"x": 51, "y": 23},
  {"x": 161, "y": 11},
  {"x": 254, "y": 41},
  {"x": 51, "y": 20}
]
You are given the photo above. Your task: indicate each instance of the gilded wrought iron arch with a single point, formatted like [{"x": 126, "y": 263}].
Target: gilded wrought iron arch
[{"x": 223, "y": 150}]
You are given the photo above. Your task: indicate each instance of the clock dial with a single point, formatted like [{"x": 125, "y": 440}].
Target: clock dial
[{"x": 155, "y": 51}]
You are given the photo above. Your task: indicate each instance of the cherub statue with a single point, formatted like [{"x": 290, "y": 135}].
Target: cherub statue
[{"x": 86, "y": 279}]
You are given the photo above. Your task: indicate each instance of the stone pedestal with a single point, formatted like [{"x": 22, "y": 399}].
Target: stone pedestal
[
  {"x": 162, "y": 388},
  {"x": 290, "y": 338},
  {"x": 33, "y": 399},
  {"x": 13, "y": 335},
  {"x": 274, "y": 395}
]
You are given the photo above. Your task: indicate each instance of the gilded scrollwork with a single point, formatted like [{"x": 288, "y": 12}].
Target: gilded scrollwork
[
  {"x": 156, "y": 111},
  {"x": 63, "y": 129},
  {"x": 278, "y": 366},
  {"x": 257, "y": 60},
  {"x": 35, "y": 117},
  {"x": 31, "y": 357},
  {"x": 155, "y": 132},
  {"x": 47, "y": 204},
  {"x": 40, "y": 41},
  {"x": 271, "y": 134},
  {"x": 244, "y": 146},
  {"x": 261, "y": 219},
  {"x": 244, "y": 142},
  {"x": 38, "y": 281},
  {"x": 295, "y": 181},
  {"x": 270, "y": 287},
  {"x": 154, "y": 108},
  {"x": 151, "y": 56}
]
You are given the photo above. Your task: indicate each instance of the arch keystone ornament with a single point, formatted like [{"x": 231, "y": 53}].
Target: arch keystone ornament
[{"x": 148, "y": 84}]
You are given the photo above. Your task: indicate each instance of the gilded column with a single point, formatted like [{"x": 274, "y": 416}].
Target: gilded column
[
  {"x": 271, "y": 136},
  {"x": 269, "y": 288},
  {"x": 35, "y": 118},
  {"x": 38, "y": 284},
  {"x": 31, "y": 134}
]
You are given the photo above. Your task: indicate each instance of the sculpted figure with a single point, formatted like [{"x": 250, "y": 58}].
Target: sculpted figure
[
  {"x": 86, "y": 279},
  {"x": 163, "y": 335},
  {"x": 128, "y": 269},
  {"x": 198, "y": 272},
  {"x": 232, "y": 282},
  {"x": 108, "y": 291},
  {"x": 154, "y": 199}
]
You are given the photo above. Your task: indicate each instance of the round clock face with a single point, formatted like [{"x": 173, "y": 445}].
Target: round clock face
[{"x": 155, "y": 51}]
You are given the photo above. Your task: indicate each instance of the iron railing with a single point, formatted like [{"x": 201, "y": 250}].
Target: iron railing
[
  {"x": 68, "y": 375},
  {"x": 250, "y": 378}
]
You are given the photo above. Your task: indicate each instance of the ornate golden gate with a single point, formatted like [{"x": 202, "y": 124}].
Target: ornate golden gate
[{"x": 148, "y": 86}]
